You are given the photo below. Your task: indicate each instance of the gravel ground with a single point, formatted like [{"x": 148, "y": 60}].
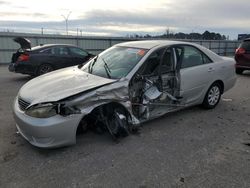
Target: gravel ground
[{"x": 189, "y": 148}]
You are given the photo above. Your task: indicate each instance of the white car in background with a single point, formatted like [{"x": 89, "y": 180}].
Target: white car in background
[{"x": 119, "y": 89}]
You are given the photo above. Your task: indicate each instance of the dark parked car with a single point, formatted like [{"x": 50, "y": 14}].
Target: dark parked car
[
  {"x": 242, "y": 56},
  {"x": 45, "y": 58}
]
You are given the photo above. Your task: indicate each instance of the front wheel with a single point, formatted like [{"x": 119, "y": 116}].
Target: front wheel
[
  {"x": 117, "y": 124},
  {"x": 213, "y": 96}
]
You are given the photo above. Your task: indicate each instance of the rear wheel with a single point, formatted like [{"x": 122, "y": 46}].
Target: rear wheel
[
  {"x": 239, "y": 71},
  {"x": 213, "y": 96},
  {"x": 44, "y": 68}
]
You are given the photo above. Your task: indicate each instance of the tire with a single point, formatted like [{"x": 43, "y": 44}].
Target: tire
[
  {"x": 44, "y": 68},
  {"x": 117, "y": 124},
  {"x": 213, "y": 96},
  {"x": 239, "y": 71}
]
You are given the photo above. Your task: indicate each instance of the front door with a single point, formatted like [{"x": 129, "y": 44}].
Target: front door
[
  {"x": 78, "y": 55},
  {"x": 58, "y": 57},
  {"x": 154, "y": 90}
]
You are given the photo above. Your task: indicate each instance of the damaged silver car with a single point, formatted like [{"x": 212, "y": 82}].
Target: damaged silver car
[{"x": 119, "y": 89}]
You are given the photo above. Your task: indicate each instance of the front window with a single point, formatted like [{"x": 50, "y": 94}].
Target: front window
[
  {"x": 115, "y": 62},
  {"x": 78, "y": 52},
  {"x": 151, "y": 66}
]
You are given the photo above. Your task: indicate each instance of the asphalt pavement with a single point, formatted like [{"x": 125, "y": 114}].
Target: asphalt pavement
[{"x": 189, "y": 148}]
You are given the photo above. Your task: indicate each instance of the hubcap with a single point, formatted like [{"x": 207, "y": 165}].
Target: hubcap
[
  {"x": 45, "y": 69},
  {"x": 213, "y": 95}
]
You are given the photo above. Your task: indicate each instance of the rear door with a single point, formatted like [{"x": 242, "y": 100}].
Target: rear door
[
  {"x": 196, "y": 72},
  {"x": 58, "y": 57}
]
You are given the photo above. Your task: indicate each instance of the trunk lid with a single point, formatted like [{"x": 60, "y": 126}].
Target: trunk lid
[{"x": 24, "y": 43}]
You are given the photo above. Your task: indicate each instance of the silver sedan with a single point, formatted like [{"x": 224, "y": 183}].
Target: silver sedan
[{"x": 119, "y": 89}]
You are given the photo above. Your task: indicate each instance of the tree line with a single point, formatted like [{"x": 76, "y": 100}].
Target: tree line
[{"x": 195, "y": 36}]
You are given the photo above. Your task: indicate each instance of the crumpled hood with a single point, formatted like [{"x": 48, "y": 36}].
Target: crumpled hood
[{"x": 60, "y": 84}]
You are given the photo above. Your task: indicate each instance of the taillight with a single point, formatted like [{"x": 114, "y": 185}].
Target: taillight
[
  {"x": 240, "y": 51},
  {"x": 23, "y": 57}
]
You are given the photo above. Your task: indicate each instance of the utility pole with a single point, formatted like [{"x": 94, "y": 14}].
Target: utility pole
[
  {"x": 66, "y": 18},
  {"x": 167, "y": 32}
]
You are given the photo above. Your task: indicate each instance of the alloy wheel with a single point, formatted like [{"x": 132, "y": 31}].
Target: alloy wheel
[{"x": 213, "y": 95}]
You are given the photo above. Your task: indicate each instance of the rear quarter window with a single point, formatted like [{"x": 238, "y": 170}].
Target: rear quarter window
[{"x": 46, "y": 51}]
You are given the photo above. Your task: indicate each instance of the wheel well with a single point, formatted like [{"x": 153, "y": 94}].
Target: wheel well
[
  {"x": 46, "y": 64},
  {"x": 221, "y": 85},
  {"x": 99, "y": 112}
]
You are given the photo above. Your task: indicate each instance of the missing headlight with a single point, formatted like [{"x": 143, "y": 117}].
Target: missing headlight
[{"x": 65, "y": 111}]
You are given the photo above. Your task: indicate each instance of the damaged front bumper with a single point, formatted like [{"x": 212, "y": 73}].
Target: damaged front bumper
[{"x": 51, "y": 132}]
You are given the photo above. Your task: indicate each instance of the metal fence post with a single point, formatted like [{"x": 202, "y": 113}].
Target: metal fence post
[
  {"x": 110, "y": 42},
  {"x": 225, "y": 48}
]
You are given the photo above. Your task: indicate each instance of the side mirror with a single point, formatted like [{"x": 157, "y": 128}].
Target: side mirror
[{"x": 80, "y": 65}]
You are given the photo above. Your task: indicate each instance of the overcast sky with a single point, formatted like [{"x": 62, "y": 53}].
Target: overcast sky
[{"x": 118, "y": 18}]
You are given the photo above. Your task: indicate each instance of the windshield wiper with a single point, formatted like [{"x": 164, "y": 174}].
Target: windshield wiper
[
  {"x": 90, "y": 67},
  {"x": 106, "y": 67}
]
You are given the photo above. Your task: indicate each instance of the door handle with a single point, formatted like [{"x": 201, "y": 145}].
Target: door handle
[{"x": 210, "y": 69}]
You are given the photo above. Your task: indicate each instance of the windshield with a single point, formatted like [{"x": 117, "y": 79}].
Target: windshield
[{"x": 115, "y": 62}]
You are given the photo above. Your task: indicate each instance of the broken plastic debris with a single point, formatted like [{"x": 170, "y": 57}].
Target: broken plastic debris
[
  {"x": 227, "y": 100},
  {"x": 152, "y": 93},
  {"x": 182, "y": 180},
  {"x": 247, "y": 144}
]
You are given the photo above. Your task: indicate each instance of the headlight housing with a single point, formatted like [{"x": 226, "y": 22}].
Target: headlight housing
[{"x": 43, "y": 111}]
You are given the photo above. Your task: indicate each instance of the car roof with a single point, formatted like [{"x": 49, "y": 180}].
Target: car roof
[
  {"x": 43, "y": 46},
  {"x": 149, "y": 44}
]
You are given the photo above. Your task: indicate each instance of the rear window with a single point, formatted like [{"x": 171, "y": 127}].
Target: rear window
[{"x": 245, "y": 45}]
